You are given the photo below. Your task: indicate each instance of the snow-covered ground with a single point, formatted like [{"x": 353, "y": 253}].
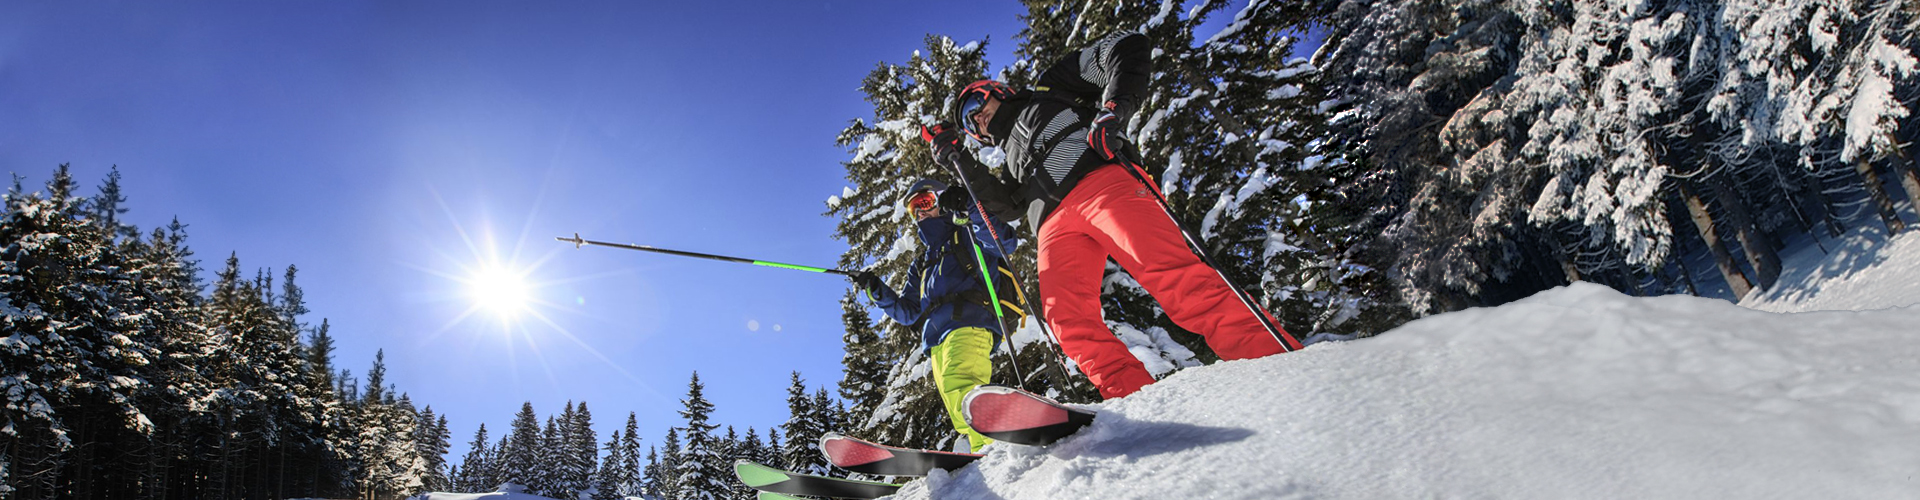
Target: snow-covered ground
[
  {"x": 1578, "y": 392},
  {"x": 1862, "y": 270},
  {"x": 508, "y": 492}
]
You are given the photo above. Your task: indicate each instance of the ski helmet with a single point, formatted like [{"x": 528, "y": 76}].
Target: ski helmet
[
  {"x": 922, "y": 186},
  {"x": 971, "y": 99}
]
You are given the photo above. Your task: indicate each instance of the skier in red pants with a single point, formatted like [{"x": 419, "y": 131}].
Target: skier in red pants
[{"x": 1069, "y": 172}]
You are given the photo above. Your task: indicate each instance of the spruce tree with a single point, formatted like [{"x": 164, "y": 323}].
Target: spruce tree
[
  {"x": 108, "y": 204},
  {"x": 477, "y": 469},
  {"x": 663, "y": 478},
  {"x": 430, "y": 439},
  {"x": 584, "y": 451},
  {"x": 702, "y": 472},
  {"x": 552, "y": 463},
  {"x": 865, "y": 374},
  {"x": 519, "y": 459},
  {"x": 803, "y": 430},
  {"x": 606, "y": 480},
  {"x": 629, "y": 472}
]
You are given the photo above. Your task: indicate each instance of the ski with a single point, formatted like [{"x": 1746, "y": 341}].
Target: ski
[
  {"x": 866, "y": 457},
  {"x": 1017, "y": 416},
  {"x": 766, "y": 495},
  {"x": 772, "y": 480}
]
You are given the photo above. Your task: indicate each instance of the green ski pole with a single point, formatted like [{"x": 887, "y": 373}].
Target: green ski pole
[{"x": 578, "y": 242}]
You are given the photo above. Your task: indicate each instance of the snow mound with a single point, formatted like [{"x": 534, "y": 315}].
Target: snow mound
[
  {"x": 1577, "y": 392},
  {"x": 506, "y": 492}
]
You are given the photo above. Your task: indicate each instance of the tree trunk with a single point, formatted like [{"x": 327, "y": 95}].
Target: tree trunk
[
  {"x": 1815, "y": 187},
  {"x": 1703, "y": 221},
  {"x": 1881, "y": 201},
  {"x": 1903, "y": 168},
  {"x": 1687, "y": 275},
  {"x": 1759, "y": 250}
]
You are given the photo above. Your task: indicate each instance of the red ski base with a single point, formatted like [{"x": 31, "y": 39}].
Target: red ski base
[
  {"x": 870, "y": 458},
  {"x": 1015, "y": 416}
]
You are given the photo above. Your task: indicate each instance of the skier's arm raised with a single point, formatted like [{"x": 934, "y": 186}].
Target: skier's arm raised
[
  {"x": 995, "y": 193},
  {"x": 1113, "y": 74}
]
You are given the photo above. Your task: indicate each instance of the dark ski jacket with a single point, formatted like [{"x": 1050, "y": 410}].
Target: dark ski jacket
[
  {"x": 945, "y": 290},
  {"x": 1043, "y": 131}
]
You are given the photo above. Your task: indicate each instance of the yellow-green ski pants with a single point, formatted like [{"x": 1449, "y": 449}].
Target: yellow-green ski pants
[{"x": 960, "y": 363}]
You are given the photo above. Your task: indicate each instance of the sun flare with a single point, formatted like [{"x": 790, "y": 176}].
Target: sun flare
[{"x": 502, "y": 291}]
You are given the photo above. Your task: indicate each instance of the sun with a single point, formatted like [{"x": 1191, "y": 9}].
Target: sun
[{"x": 500, "y": 290}]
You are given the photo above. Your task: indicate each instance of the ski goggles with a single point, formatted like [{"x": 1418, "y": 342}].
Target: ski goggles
[
  {"x": 924, "y": 200},
  {"x": 970, "y": 107}
]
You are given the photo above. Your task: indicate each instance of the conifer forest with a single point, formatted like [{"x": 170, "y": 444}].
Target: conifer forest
[{"x": 1357, "y": 164}]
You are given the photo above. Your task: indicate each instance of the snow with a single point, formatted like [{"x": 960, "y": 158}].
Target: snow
[
  {"x": 1863, "y": 271},
  {"x": 505, "y": 492},
  {"x": 1576, "y": 392}
]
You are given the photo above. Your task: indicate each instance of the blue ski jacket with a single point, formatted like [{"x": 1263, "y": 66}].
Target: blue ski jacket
[{"x": 945, "y": 289}]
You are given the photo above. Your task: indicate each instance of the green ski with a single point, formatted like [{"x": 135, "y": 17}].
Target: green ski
[
  {"x": 767, "y": 495},
  {"x": 772, "y": 480}
]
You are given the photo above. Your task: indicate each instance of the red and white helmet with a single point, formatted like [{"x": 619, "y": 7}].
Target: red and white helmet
[{"x": 969, "y": 101}]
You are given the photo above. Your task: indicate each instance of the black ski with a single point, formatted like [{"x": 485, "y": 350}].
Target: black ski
[
  {"x": 867, "y": 457},
  {"x": 772, "y": 480}
]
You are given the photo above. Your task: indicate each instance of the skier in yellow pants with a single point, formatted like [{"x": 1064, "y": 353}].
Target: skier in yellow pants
[{"x": 948, "y": 295}]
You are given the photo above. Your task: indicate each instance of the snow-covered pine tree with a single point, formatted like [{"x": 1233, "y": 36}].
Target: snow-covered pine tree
[
  {"x": 864, "y": 375},
  {"x": 107, "y": 205},
  {"x": 1746, "y": 123},
  {"x": 832, "y": 414},
  {"x": 408, "y": 467},
  {"x": 390, "y": 461},
  {"x": 663, "y": 478},
  {"x": 70, "y": 360},
  {"x": 553, "y": 462},
  {"x": 733, "y": 448},
  {"x": 629, "y": 480},
  {"x": 606, "y": 480},
  {"x": 431, "y": 443},
  {"x": 583, "y": 450},
  {"x": 476, "y": 467},
  {"x": 751, "y": 447},
  {"x": 519, "y": 458},
  {"x": 703, "y": 468},
  {"x": 803, "y": 432},
  {"x": 773, "y": 450},
  {"x": 180, "y": 337}
]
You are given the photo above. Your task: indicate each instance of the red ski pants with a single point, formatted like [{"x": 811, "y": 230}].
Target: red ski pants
[{"x": 1111, "y": 214}]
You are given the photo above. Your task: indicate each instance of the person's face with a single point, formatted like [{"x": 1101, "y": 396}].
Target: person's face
[
  {"x": 985, "y": 115},
  {"x": 925, "y": 205}
]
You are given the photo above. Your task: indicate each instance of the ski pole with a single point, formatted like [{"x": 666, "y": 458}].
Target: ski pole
[
  {"x": 579, "y": 242},
  {"x": 979, "y": 257},
  {"x": 1287, "y": 342}
]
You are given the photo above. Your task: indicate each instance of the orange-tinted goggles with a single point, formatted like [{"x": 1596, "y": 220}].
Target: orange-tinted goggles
[{"x": 924, "y": 200}]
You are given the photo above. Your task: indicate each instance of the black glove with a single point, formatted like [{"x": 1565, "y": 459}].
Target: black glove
[
  {"x": 944, "y": 140},
  {"x": 955, "y": 200},
  {"x": 868, "y": 282},
  {"x": 1107, "y": 137}
]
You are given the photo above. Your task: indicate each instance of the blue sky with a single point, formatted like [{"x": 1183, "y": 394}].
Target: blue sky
[{"x": 387, "y": 148}]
